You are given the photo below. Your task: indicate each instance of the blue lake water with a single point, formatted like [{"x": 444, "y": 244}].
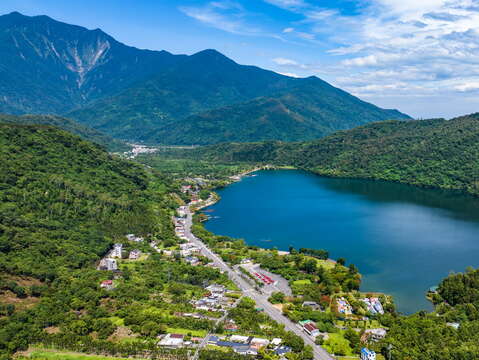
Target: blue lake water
[{"x": 403, "y": 239}]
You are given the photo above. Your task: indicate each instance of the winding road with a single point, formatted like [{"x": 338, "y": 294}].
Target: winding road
[{"x": 249, "y": 290}]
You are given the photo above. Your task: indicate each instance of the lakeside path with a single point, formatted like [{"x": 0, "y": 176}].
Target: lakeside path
[{"x": 248, "y": 290}]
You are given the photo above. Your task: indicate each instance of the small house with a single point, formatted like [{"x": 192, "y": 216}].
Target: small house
[
  {"x": 107, "y": 285},
  {"x": 367, "y": 354},
  {"x": 134, "y": 254}
]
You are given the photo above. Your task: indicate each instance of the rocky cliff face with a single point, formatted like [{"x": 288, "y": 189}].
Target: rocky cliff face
[{"x": 73, "y": 64}]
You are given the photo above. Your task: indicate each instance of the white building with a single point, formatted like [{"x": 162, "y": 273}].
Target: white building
[
  {"x": 367, "y": 354},
  {"x": 108, "y": 264},
  {"x": 172, "y": 340},
  {"x": 376, "y": 334},
  {"x": 134, "y": 254},
  {"x": 133, "y": 237},
  {"x": 240, "y": 339},
  {"x": 116, "y": 252}
]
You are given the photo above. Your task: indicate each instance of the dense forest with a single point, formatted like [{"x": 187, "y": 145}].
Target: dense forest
[
  {"x": 63, "y": 203},
  {"x": 451, "y": 332},
  {"x": 69, "y": 125},
  {"x": 431, "y": 153}
]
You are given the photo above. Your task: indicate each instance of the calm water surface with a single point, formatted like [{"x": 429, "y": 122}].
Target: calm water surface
[{"x": 403, "y": 239}]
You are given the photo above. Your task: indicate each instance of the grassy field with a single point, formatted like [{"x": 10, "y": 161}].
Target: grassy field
[
  {"x": 327, "y": 264},
  {"x": 370, "y": 324},
  {"x": 302, "y": 282},
  {"x": 337, "y": 341},
  {"x": 198, "y": 333},
  {"x": 60, "y": 355}
]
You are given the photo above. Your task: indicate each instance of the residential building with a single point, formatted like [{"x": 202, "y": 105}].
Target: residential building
[
  {"x": 367, "y": 354},
  {"x": 454, "y": 325},
  {"x": 133, "y": 237},
  {"x": 259, "y": 342},
  {"x": 134, "y": 254},
  {"x": 344, "y": 307},
  {"x": 309, "y": 327},
  {"x": 312, "y": 304},
  {"x": 172, "y": 340},
  {"x": 375, "y": 334},
  {"x": 192, "y": 260},
  {"x": 282, "y": 350},
  {"x": 213, "y": 340},
  {"x": 108, "y": 264},
  {"x": 216, "y": 289},
  {"x": 117, "y": 250},
  {"x": 107, "y": 285},
  {"x": 276, "y": 341},
  {"x": 231, "y": 327},
  {"x": 240, "y": 339},
  {"x": 373, "y": 305}
]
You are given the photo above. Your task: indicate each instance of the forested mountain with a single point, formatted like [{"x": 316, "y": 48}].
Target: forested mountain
[
  {"x": 433, "y": 153},
  {"x": 69, "y": 125},
  {"x": 307, "y": 110},
  {"x": 51, "y": 67},
  {"x": 57, "y": 209},
  {"x": 63, "y": 203},
  {"x": 208, "y": 98},
  {"x": 48, "y": 66}
]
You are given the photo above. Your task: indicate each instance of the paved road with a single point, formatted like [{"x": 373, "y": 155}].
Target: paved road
[{"x": 248, "y": 290}]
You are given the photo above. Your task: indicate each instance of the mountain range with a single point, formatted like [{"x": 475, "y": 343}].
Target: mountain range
[{"x": 47, "y": 66}]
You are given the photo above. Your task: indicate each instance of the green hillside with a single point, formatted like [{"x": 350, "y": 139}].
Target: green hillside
[
  {"x": 64, "y": 200},
  {"x": 431, "y": 153},
  {"x": 63, "y": 203},
  {"x": 309, "y": 110},
  {"x": 69, "y": 125}
]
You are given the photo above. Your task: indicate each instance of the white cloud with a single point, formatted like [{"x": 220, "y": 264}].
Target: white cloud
[
  {"x": 415, "y": 47},
  {"x": 288, "y": 30},
  {"x": 287, "y": 4},
  {"x": 284, "y": 61},
  {"x": 289, "y": 74},
  {"x": 225, "y": 15},
  {"x": 467, "y": 86}
]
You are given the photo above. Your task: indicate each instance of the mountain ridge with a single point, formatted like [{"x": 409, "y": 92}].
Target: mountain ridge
[
  {"x": 47, "y": 66},
  {"x": 435, "y": 153}
]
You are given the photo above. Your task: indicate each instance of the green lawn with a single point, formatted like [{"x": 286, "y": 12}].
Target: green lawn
[
  {"x": 370, "y": 324},
  {"x": 328, "y": 265},
  {"x": 59, "y": 355},
  {"x": 337, "y": 342},
  {"x": 198, "y": 333},
  {"x": 302, "y": 282}
]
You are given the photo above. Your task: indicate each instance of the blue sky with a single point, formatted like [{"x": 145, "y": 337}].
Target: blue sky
[{"x": 420, "y": 56}]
